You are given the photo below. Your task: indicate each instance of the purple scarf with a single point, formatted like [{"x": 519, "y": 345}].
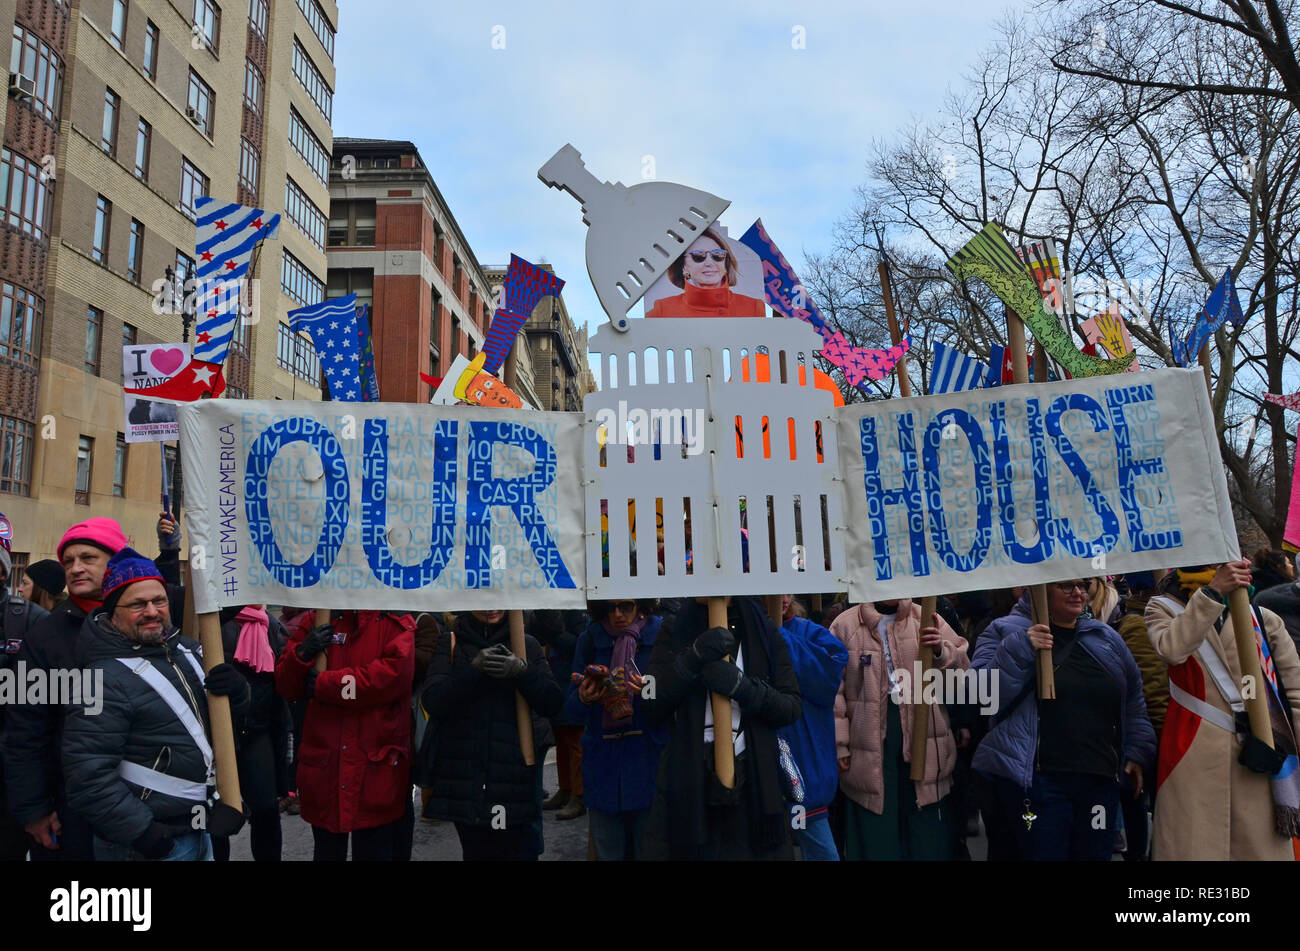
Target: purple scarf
[{"x": 625, "y": 642}]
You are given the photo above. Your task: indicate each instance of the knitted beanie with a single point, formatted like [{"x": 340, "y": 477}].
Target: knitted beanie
[
  {"x": 126, "y": 568},
  {"x": 101, "y": 532}
]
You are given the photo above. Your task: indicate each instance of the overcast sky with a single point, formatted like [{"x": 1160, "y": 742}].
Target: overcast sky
[{"x": 717, "y": 93}]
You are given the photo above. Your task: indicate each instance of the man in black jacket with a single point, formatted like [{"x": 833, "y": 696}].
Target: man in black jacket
[
  {"x": 141, "y": 770},
  {"x": 703, "y": 819}
]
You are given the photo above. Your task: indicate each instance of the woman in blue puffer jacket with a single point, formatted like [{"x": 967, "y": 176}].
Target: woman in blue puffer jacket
[{"x": 1058, "y": 766}]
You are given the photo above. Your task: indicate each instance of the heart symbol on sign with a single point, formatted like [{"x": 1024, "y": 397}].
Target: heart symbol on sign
[{"x": 167, "y": 361}]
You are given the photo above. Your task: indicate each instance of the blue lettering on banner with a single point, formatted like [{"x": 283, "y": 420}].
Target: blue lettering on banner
[
  {"x": 1041, "y": 550},
  {"x": 1129, "y": 469},
  {"x": 909, "y": 496},
  {"x": 939, "y": 533},
  {"x": 1105, "y": 541},
  {"x": 337, "y": 494},
  {"x": 483, "y": 491},
  {"x": 374, "y": 508}
]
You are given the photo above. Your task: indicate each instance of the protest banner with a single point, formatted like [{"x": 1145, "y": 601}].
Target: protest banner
[
  {"x": 1030, "y": 484},
  {"x": 145, "y": 365},
  {"x": 365, "y": 506}
]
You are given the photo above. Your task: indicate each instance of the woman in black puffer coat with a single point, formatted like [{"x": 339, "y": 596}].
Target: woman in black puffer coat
[
  {"x": 262, "y": 745},
  {"x": 479, "y": 777}
]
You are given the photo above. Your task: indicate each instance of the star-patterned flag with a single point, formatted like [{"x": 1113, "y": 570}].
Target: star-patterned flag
[
  {"x": 332, "y": 326},
  {"x": 228, "y": 235}
]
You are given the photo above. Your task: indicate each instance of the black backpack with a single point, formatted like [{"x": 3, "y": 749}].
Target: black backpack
[{"x": 17, "y": 620}]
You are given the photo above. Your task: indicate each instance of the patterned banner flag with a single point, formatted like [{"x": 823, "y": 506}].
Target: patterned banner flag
[
  {"x": 525, "y": 285},
  {"x": 1291, "y": 401},
  {"x": 369, "y": 381},
  {"x": 953, "y": 372},
  {"x": 332, "y": 326},
  {"x": 1044, "y": 263},
  {"x": 786, "y": 295},
  {"x": 1108, "y": 331},
  {"x": 228, "y": 235},
  {"x": 1220, "y": 307}
]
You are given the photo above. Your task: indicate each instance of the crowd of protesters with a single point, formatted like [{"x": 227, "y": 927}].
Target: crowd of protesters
[{"x": 360, "y": 721}]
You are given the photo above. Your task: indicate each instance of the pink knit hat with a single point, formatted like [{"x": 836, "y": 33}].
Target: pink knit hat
[{"x": 101, "y": 532}]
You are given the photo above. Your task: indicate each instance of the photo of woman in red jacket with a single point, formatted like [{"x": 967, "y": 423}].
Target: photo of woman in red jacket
[{"x": 707, "y": 272}]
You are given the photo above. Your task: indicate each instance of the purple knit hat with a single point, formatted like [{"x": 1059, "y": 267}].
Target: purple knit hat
[{"x": 124, "y": 569}]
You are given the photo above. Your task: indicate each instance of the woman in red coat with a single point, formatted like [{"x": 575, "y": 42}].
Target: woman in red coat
[
  {"x": 706, "y": 273},
  {"x": 354, "y": 768}
]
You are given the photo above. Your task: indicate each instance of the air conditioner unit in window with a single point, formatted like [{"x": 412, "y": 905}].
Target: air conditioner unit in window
[
  {"x": 21, "y": 87},
  {"x": 193, "y": 115}
]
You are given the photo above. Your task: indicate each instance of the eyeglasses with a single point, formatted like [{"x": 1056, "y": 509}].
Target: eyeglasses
[
  {"x": 699, "y": 256},
  {"x": 623, "y": 607},
  {"x": 1065, "y": 587},
  {"x": 137, "y": 607}
]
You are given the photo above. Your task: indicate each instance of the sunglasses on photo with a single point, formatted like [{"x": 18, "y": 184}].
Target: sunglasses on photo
[
  {"x": 1065, "y": 587},
  {"x": 699, "y": 256}
]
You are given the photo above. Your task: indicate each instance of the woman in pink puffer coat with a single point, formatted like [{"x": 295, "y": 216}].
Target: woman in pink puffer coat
[{"x": 888, "y": 816}]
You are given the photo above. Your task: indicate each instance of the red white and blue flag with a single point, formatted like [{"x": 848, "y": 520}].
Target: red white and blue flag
[{"x": 228, "y": 235}]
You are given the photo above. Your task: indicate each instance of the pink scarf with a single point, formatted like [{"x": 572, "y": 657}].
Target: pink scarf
[{"x": 254, "y": 648}]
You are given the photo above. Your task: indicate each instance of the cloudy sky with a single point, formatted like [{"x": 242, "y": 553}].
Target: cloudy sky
[{"x": 769, "y": 104}]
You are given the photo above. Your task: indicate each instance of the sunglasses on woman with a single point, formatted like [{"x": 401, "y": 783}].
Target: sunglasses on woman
[
  {"x": 623, "y": 607},
  {"x": 699, "y": 256}
]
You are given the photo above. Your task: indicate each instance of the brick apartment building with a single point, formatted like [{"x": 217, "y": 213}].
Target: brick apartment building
[{"x": 120, "y": 113}]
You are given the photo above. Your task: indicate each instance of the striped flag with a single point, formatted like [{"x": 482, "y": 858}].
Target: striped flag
[
  {"x": 332, "y": 326},
  {"x": 525, "y": 285},
  {"x": 953, "y": 372},
  {"x": 228, "y": 234}
]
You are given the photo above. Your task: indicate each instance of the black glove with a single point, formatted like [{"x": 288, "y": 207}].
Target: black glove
[
  {"x": 223, "y": 681},
  {"x": 315, "y": 642},
  {"x": 309, "y": 685},
  {"x": 729, "y": 680},
  {"x": 155, "y": 842},
  {"x": 500, "y": 662},
  {"x": 714, "y": 644}
]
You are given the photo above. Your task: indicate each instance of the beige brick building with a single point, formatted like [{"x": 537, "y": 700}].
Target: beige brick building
[{"x": 119, "y": 114}]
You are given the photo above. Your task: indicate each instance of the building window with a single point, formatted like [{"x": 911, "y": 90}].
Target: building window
[
  {"x": 128, "y": 335},
  {"x": 303, "y": 212},
  {"x": 85, "y": 456},
  {"x": 207, "y": 22},
  {"x": 16, "y": 440},
  {"x": 352, "y": 224},
  {"x": 299, "y": 282},
  {"x": 20, "y": 324},
  {"x": 119, "y": 466},
  {"x": 309, "y": 147},
  {"x": 200, "y": 101},
  {"x": 435, "y": 352},
  {"x": 108, "y": 137},
  {"x": 25, "y": 189},
  {"x": 94, "y": 330},
  {"x": 252, "y": 87},
  {"x": 135, "y": 251},
  {"x": 295, "y": 354},
  {"x": 257, "y": 17},
  {"x": 143, "y": 145},
  {"x": 117, "y": 34},
  {"x": 103, "y": 224},
  {"x": 352, "y": 280},
  {"x": 32, "y": 58},
  {"x": 320, "y": 24},
  {"x": 194, "y": 185},
  {"x": 250, "y": 163},
  {"x": 150, "y": 64},
  {"x": 312, "y": 80}
]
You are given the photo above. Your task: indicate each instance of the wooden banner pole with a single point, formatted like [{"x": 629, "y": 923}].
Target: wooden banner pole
[
  {"x": 1243, "y": 627},
  {"x": 1020, "y": 373},
  {"x": 523, "y": 716},
  {"x": 724, "y": 754},
  {"x": 895, "y": 332},
  {"x": 223, "y": 729},
  {"x": 921, "y": 711}
]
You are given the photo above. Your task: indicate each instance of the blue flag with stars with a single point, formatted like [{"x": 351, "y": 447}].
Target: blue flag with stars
[{"x": 332, "y": 326}]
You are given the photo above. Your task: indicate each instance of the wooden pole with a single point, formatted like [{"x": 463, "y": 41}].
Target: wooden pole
[
  {"x": 815, "y": 603},
  {"x": 895, "y": 332},
  {"x": 724, "y": 754},
  {"x": 921, "y": 711},
  {"x": 523, "y": 716},
  {"x": 1020, "y": 373},
  {"x": 223, "y": 730},
  {"x": 1243, "y": 627}
]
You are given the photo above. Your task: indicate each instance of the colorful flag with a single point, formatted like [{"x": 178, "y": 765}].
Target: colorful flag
[
  {"x": 525, "y": 285},
  {"x": 1108, "y": 330},
  {"x": 953, "y": 372},
  {"x": 1290, "y": 401},
  {"x": 228, "y": 235},
  {"x": 1043, "y": 262},
  {"x": 332, "y": 326},
  {"x": 1220, "y": 307},
  {"x": 369, "y": 381}
]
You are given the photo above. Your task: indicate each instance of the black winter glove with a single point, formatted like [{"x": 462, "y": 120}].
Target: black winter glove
[
  {"x": 713, "y": 645},
  {"x": 729, "y": 680},
  {"x": 315, "y": 642},
  {"x": 500, "y": 662},
  {"x": 224, "y": 681},
  {"x": 155, "y": 842},
  {"x": 309, "y": 685}
]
